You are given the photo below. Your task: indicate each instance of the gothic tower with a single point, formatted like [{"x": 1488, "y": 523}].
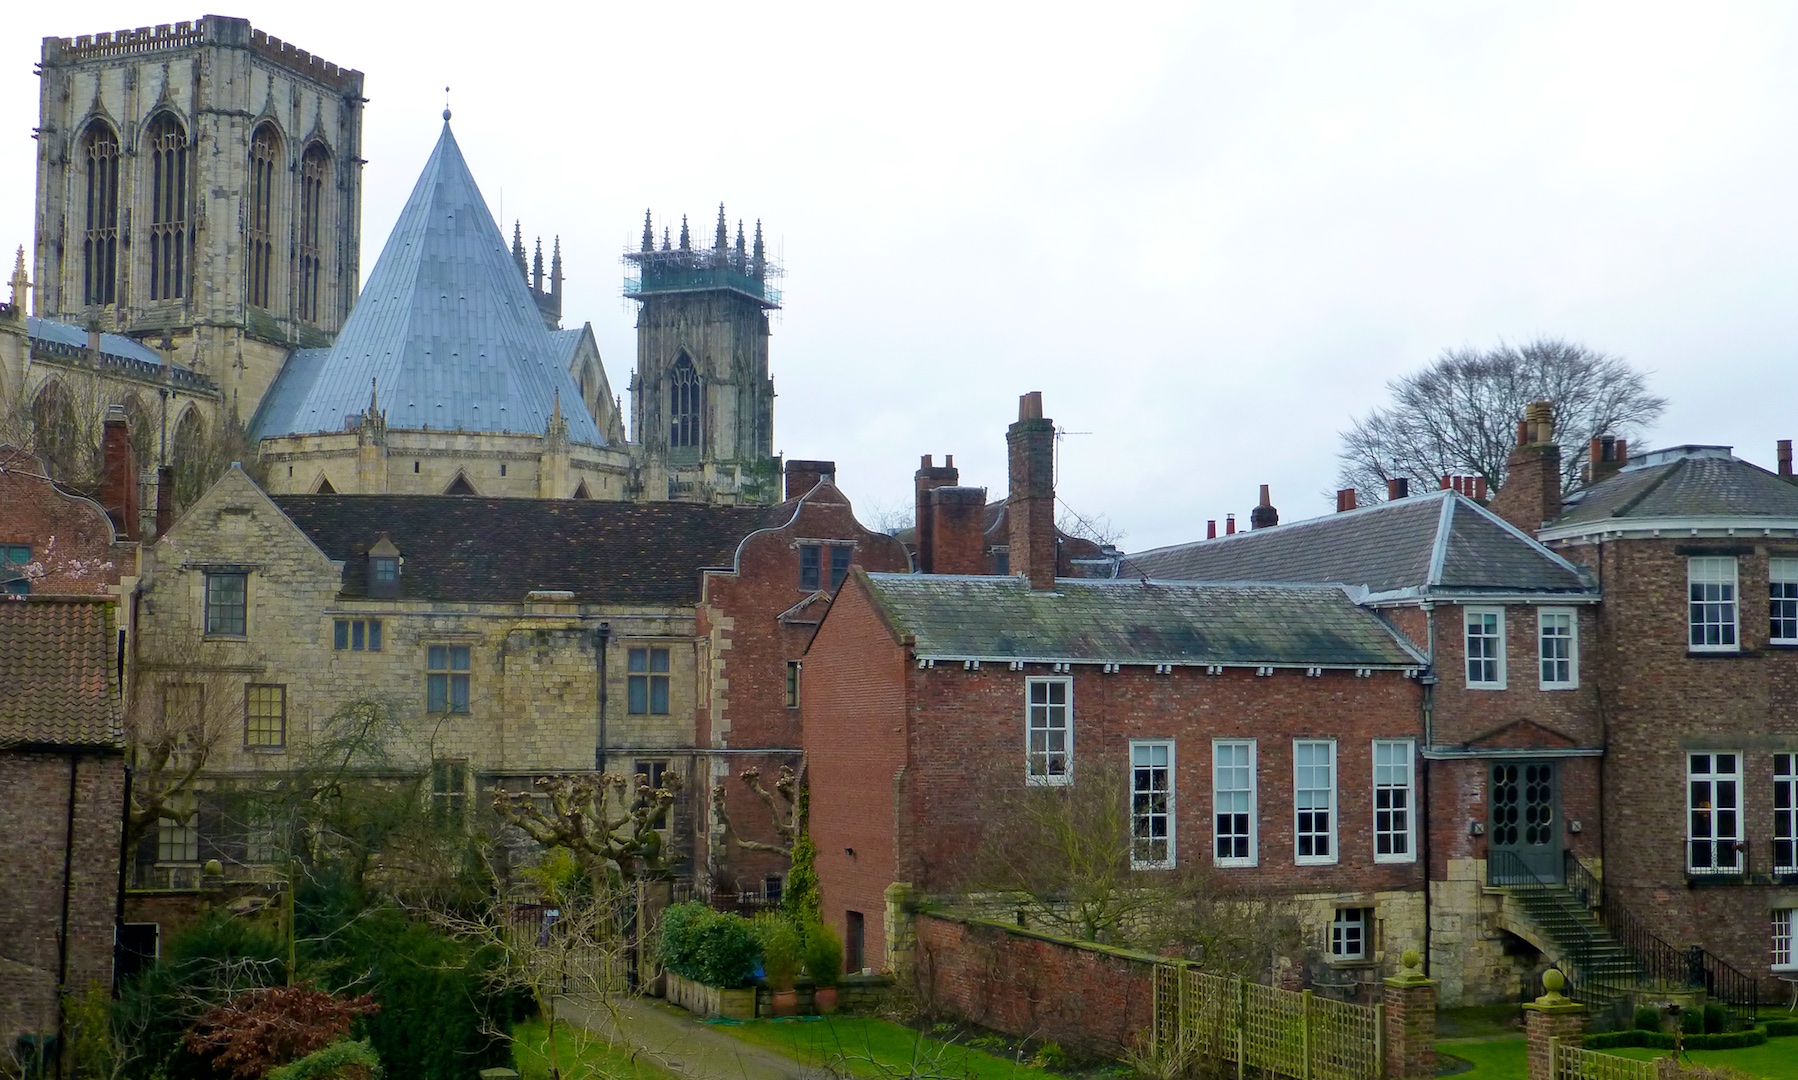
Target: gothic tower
[
  {"x": 702, "y": 401},
  {"x": 200, "y": 188}
]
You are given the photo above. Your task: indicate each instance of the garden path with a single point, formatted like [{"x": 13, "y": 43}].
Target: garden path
[{"x": 681, "y": 1043}]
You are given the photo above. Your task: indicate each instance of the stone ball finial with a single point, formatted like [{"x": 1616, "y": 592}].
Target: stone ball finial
[
  {"x": 1553, "y": 980},
  {"x": 1411, "y": 960}
]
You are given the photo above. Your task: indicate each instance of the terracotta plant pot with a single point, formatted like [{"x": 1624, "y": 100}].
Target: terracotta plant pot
[
  {"x": 825, "y": 998},
  {"x": 786, "y": 1002}
]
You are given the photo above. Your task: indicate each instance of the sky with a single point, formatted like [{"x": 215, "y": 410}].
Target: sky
[{"x": 1208, "y": 233}]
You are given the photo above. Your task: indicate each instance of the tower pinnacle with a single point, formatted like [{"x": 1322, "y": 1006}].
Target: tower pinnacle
[{"x": 649, "y": 234}]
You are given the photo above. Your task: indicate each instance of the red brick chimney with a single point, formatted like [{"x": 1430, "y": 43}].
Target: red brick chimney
[
  {"x": 958, "y": 530},
  {"x": 118, "y": 473},
  {"x": 1784, "y": 453},
  {"x": 1397, "y": 488},
  {"x": 1531, "y": 493},
  {"x": 802, "y": 476},
  {"x": 1030, "y": 505},
  {"x": 928, "y": 478},
  {"x": 1211, "y": 529},
  {"x": 1345, "y": 499},
  {"x": 1229, "y": 524},
  {"x": 1264, "y": 514},
  {"x": 165, "y": 498},
  {"x": 1604, "y": 456}
]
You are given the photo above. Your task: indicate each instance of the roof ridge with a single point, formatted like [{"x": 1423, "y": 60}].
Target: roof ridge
[{"x": 1292, "y": 526}]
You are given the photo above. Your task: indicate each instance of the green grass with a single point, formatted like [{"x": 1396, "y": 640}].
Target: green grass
[
  {"x": 582, "y": 1055},
  {"x": 1494, "y": 1057},
  {"x": 1775, "y": 1059},
  {"x": 876, "y": 1048}
]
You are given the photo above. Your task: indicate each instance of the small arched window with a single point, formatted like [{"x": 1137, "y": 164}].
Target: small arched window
[
  {"x": 167, "y": 147},
  {"x": 315, "y": 165},
  {"x": 684, "y": 404},
  {"x": 265, "y": 152},
  {"x": 100, "y": 244}
]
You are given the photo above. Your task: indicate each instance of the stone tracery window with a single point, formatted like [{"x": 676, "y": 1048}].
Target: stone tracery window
[
  {"x": 314, "y": 167},
  {"x": 265, "y": 150},
  {"x": 167, "y": 147},
  {"x": 683, "y": 404},
  {"x": 100, "y": 241}
]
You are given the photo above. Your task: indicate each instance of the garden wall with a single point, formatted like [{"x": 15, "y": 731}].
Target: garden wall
[{"x": 1090, "y": 999}]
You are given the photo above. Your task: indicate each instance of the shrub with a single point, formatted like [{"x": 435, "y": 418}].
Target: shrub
[
  {"x": 1648, "y": 1018},
  {"x": 274, "y": 1025},
  {"x": 1691, "y": 1021},
  {"x": 345, "y": 1059},
  {"x": 800, "y": 899},
  {"x": 681, "y": 926},
  {"x": 823, "y": 954},
  {"x": 779, "y": 942},
  {"x": 1716, "y": 1018},
  {"x": 1782, "y": 1027},
  {"x": 708, "y": 946},
  {"x": 1664, "y": 1040}
]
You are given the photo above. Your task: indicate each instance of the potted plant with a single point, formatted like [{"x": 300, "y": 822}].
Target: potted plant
[
  {"x": 824, "y": 962},
  {"x": 779, "y": 940}
]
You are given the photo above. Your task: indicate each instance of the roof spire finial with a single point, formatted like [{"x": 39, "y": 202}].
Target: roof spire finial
[
  {"x": 537, "y": 267},
  {"x": 686, "y": 238},
  {"x": 20, "y": 283},
  {"x": 742, "y": 251},
  {"x": 446, "y": 112},
  {"x": 649, "y": 233},
  {"x": 761, "y": 251},
  {"x": 665, "y": 241},
  {"x": 722, "y": 240},
  {"x": 373, "y": 396},
  {"x": 518, "y": 249}
]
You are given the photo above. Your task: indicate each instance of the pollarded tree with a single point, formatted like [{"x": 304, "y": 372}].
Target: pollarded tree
[
  {"x": 615, "y": 838},
  {"x": 1459, "y": 415}
]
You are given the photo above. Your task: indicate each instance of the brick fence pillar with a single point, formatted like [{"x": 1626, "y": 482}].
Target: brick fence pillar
[
  {"x": 901, "y": 931},
  {"x": 1410, "y": 998},
  {"x": 1551, "y": 1016}
]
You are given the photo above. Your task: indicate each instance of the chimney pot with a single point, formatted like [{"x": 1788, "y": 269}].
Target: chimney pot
[
  {"x": 1264, "y": 496},
  {"x": 1265, "y": 514},
  {"x": 948, "y": 461},
  {"x": 1397, "y": 488},
  {"x": 1030, "y": 406},
  {"x": 1479, "y": 488},
  {"x": 1229, "y": 524},
  {"x": 1784, "y": 453},
  {"x": 1450, "y": 482},
  {"x": 1595, "y": 451},
  {"x": 928, "y": 478},
  {"x": 1211, "y": 529},
  {"x": 1622, "y": 453}
]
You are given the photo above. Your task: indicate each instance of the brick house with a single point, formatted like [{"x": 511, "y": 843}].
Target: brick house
[
  {"x": 512, "y": 638},
  {"x": 1511, "y": 736},
  {"x": 1697, "y": 657},
  {"x": 1291, "y": 712},
  {"x": 62, "y": 781}
]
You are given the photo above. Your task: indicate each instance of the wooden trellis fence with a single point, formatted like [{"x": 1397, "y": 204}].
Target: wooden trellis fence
[
  {"x": 1577, "y": 1063},
  {"x": 1265, "y": 1031}
]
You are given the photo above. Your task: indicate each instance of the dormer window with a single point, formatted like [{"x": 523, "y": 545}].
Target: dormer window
[{"x": 383, "y": 569}]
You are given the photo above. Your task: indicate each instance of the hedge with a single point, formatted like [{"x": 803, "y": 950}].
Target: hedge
[
  {"x": 708, "y": 946},
  {"x": 1663, "y": 1040}
]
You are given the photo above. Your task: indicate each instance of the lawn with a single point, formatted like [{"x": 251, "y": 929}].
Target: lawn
[
  {"x": 877, "y": 1048},
  {"x": 1494, "y": 1057},
  {"x": 1775, "y": 1059},
  {"x": 581, "y": 1054}
]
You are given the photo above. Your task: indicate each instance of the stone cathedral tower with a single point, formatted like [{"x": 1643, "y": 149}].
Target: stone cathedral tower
[
  {"x": 702, "y": 400},
  {"x": 199, "y": 188}
]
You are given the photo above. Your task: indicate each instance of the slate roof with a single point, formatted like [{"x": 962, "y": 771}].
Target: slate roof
[
  {"x": 59, "y": 673},
  {"x": 69, "y": 334},
  {"x": 480, "y": 550},
  {"x": 1082, "y": 621},
  {"x": 446, "y": 325},
  {"x": 1683, "y": 482},
  {"x": 1440, "y": 543}
]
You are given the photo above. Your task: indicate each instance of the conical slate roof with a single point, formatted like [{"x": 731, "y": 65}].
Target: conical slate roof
[{"x": 445, "y": 326}]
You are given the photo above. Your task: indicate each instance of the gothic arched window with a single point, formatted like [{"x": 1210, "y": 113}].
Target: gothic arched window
[
  {"x": 167, "y": 146},
  {"x": 190, "y": 452},
  {"x": 265, "y": 151},
  {"x": 143, "y": 432},
  {"x": 684, "y": 404},
  {"x": 56, "y": 433},
  {"x": 100, "y": 246},
  {"x": 315, "y": 165}
]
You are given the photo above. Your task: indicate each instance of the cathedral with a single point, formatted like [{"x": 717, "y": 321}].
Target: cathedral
[{"x": 199, "y": 192}]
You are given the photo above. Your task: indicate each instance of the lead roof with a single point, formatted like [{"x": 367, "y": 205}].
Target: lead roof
[
  {"x": 1081, "y": 621},
  {"x": 445, "y": 328}
]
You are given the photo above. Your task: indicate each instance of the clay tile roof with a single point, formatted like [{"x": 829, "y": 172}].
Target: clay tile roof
[
  {"x": 483, "y": 550},
  {"x": 1127, "y": 622},
  {"x": 59, "y": 682}
]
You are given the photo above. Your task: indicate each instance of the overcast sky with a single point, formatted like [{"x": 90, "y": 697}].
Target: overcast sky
[{"x": 1208, "y": 233}]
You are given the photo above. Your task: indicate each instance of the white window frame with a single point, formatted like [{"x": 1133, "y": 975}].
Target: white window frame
[
  {"x": 1544, "y": 616},
  {"x": 1044, "y": 777},
  {"x": 1782, "y": 600},
  {"x": 1711, "y": 775},
  {"x": 1467, "y": 617},
  {"x": 1720, "y": 571},
  {"x": 1329, "y": 835},
  {"x": 1397, "y": 774},
  {"x": 1785, "y": 921},
  {"x": 1785, "y": 817},
  {"x": 1345, "y": 921},
  {"x": 1142, "y": 754},
  {"x": 1252, "y": 797}
]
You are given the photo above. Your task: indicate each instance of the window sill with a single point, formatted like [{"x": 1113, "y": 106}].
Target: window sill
[
  {"x": 1395, "y": 860},
  {"x": 1314, "y": 860},
  {"x": 224, "y": 637},
  {"x": 1353, "y": 963},
  {"x": 1780, "y": 643},
  {"x": 1708, "y": 879},
  {"x": 1485, "y": 686},
  {"x": 1235, "y": 864},
  {"x": 1718, "y": 654},
  {"x": 1549, "y": 688},
  {"x": 282, "y": 749}
]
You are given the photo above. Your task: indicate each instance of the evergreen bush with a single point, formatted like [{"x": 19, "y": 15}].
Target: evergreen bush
[
  {"x": 823, "y": 954},
  {"x": 779, "y": 942},
  {"x": 708, "y": 946},
  {"x": 1716, "y": 1018},
  {"x": 1648, "y": 1018}
]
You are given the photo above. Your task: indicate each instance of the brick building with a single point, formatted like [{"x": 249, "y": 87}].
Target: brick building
[{"x": 512, "y": 638}]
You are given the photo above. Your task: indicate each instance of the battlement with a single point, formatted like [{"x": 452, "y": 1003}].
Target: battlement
[{"x": 211, "y": 30}]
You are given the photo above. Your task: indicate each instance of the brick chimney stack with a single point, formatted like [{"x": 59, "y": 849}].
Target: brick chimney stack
[
  {"x": 958, "y": 530},
  {"x": 1784, "y": 453},
  {"x": 928, "y": 478},
  {"x": 1604, "y": 456},
  {"x": 1345, "y": 500},
  {"x": 1030, "y": 506},
  {"x": 118, "y": 473},
  {"x": 1531, "y": 493},
  {"x": 1264, "y": 514},
  {"x": 1398, "y": 488},
  {"x": 802, "y": 476}
]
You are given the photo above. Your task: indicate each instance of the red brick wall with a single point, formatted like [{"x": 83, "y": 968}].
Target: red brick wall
[
  {"x": 71, "y": 541},
  {"x": 32, "y": 846},
  {"x": 854, "y": 697},
  {"x": 1092, "y": 1001},
  {"x": 1662, "y": 703}
]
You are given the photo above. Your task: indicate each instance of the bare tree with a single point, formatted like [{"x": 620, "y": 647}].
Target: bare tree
[
  {"x": 785, "y": 804},
  {"x": 178, "y": 716},
  {"x": 615, "y": 839},
  {"x": 1459, "y": 415}
]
